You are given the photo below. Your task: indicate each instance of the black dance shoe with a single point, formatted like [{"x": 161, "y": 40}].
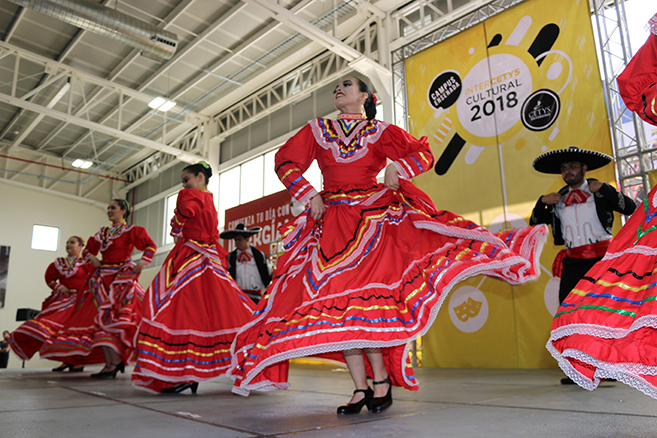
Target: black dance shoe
[
  {"x": 69, "y": 367},
  {"x": 355, "y": 408},
  {"x": 62, "y": 367},
  {"x": 106, "y": 374},
  {"x": 180, "y": 388},
  {"x": 380, "y": 404},
  {"x": 567, "y": 381}
]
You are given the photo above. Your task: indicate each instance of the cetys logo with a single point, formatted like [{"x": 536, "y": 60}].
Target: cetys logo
[
  {"x": 468, "y": 309},
  {"x": 502, "y": 91}
]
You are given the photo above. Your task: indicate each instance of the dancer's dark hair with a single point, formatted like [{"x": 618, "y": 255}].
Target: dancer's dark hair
[
  {"x": 123, "y": 205},
  {"x": 370, "y": 102},
  {"x": 79, "y": 239},
  {"x": 201, "y": 166}
]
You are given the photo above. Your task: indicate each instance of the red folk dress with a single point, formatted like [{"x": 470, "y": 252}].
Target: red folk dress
[
  {"x": 109, "y": 310},
  {"x": 193, "y": 309},
  {"x": 374, "y": 270},
  {"x": 606, "y": 326},
  {"x": 71, "y": 272},
  {"x": 637, "y": 84}
]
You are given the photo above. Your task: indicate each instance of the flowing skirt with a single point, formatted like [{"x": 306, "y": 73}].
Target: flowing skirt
[
  {"x": 56, "y": 310},
  {"x": 192, "y": 312},
  {"x": 372, "y": 273},
  {"x": 606, "y": 327},
  {"x": 107, "y": 315}
]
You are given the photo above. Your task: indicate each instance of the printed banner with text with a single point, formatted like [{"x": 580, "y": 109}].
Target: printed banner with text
[
  {"x": 269, "y": 213},
  {"x": 490, "y": 100}
]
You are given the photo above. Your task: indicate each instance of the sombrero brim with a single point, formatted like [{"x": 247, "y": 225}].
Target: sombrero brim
[
  {"x": 550, "y": 162},
  {"x": 231, "y": 234}
]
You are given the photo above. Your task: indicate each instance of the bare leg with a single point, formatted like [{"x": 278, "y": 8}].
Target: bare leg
[
  {"x": 108, "y": 359},
  {"x": 114, "y": 358},
  {"x": 375, "y": 357},
  {"x": 356, "y": 364}
]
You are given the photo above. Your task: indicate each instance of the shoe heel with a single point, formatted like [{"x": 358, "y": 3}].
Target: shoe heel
[{"x": 194, "y": 387}]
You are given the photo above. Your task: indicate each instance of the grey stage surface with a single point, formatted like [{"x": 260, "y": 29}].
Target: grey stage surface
[{"x": 450, "y": 403}]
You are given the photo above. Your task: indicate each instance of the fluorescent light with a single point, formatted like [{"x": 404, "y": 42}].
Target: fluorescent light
[
  {"x": 82, "y": 164},
  {"x": 166, "y": 106},
  {"x": 157, "y": 102},
  {"x": 162, "y": 104}
]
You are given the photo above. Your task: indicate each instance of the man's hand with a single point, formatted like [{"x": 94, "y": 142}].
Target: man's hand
[
  {"x": 317, "y": 207},
  {"x": 551, "y": 198},
  {"x": 594, "y": 186}
]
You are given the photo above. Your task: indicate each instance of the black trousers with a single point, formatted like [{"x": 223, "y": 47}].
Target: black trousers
[
  {"x": 4, "y": 358},
  {"x": 573, "y": 271}
]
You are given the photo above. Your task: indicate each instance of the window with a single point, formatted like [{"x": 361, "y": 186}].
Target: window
[
  {"x": 314, "y": 176},
  {"x": 170, "y": 206},
  {"x": 229, "y": 191},
  {"x": 272, "y": 183},
  {"x": 45, "y": 238},
  {"x": 251, "y": 180}
]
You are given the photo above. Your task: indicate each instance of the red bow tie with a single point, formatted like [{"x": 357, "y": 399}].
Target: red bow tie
[
  {"x": 575, "y": 197},
  {"x": 244, "y": 257}
]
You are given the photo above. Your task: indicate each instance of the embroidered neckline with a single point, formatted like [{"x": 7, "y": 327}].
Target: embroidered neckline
[
  {"x": 67, "y": 266},
  {"x": 116, "y": 230},
  {"x": 107, "y": 234},
  {"x": 347, "y": 138},
  {"x": 351, "y": 116}
]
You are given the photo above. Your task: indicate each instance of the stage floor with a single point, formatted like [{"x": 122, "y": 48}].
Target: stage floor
[{"x": 450, "y": 403}]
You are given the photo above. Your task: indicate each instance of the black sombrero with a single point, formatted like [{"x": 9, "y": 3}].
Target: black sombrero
[
  {"x": 550, "y": 162},
  {"x": 240, "y": 230}
]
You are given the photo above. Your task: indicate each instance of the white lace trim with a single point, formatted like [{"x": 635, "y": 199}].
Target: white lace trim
[
  {"x": 637, "y": 249},
  {"x": 539, "y": 233},
  {"x": 604, "y": 370}
]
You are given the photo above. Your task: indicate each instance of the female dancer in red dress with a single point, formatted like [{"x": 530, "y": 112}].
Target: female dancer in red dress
[
  {"x": 193, "y": 308},
  {"x": 367, "y": 267},
  {"x": 66, "y": 276},
  {"x": 605, "y": 328},
  {"x": 110, "y": 310}
]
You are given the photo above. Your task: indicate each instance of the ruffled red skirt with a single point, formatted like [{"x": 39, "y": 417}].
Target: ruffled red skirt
[
  {"x": 607, "y": 326},
  {"x": 192, "y": 312},
  {"x": 107, "y": 315},
  {"x": 372, "y": 273},
  {"x": 56, "y": 310}
]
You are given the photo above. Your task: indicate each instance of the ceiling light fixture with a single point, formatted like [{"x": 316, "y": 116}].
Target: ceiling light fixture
[
  {"x": 82, "y": 164},
  {"x": 162, "y": 104}
]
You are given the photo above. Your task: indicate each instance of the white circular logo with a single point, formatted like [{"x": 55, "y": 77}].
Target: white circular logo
[
  {"x": 491, "y": 99},
  {"x": 468, "y": 309},
  {"x": 551, "y": 295}
]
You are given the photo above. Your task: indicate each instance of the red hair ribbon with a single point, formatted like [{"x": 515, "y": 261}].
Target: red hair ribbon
[{"x": 373, "y": 99}]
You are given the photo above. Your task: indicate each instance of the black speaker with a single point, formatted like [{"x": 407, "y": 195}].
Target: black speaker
[{"x": 25, "y": 314}]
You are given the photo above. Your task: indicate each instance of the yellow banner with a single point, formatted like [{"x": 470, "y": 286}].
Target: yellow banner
[{"x": 490, "y": 100}]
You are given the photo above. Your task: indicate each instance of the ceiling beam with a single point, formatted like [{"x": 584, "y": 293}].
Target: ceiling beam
[
  {"x": 89, "y": 78},
  {"x": 15, "y": 22}
]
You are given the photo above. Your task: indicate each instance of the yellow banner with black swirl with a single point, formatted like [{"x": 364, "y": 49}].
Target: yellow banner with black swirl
[{"x": 490, "y": 100}]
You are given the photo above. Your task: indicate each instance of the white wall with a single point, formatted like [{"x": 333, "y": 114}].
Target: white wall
[{"x": 20, "y": 208}]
